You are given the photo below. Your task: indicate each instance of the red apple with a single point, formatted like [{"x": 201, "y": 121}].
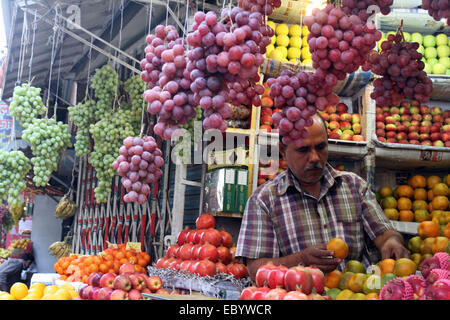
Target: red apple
[
  {"x": 94, "y": 279},
  {"x": 341, "y": 108},
  {"x": 414, "y": 110},
  {"x": 416, "y": 116},
  {"x": 119, "y": 294},
  {"x": 84, "y": 292},
  {"x": 298, "y": 278},
  {"x": 345, "y": 125},
  {"x": 334, "y": 135},
  {"x": 424, "y": 129},
  {"x": 447, "y": 144},
  {"x": 325, "y": 116},
  {"x": 406, "y": 123},
  {"x": 105, "y": 293},
  {"x": 424, "y": 136},
  {"x": 127, "y": 267},
  {"x": 138, "y": 282},
  {"x": 356, "y": 118},
  {"x": 413, "y": 136},
  {"x": 154, "y": 283},
  {"x": 413, "y": 128},
  {"x": 414, "y": 141},
  {"x": 331, "y": 109},
  {"x": 267, "y": 120},
  {"x": 434, "y": 129},
  {"x": 402, "y": 128},
  {"x": 426, "y": 143},
  {"x": 394, "y": 110},
  {"x": 107, "y": 280},
  {"x": 447, "y": 114},
  {"x": 435, "y": 136},
  {"x": 401, "y": 136},
  {"x": 391, "y": 127},
  {"x": 446, "y": 137},
  {"x": 265, "y": 127},
  {"x": 438, "y": 143},
  {"x": 379, "y": 117},
  {"x": 380, "y": 125},
  {"x": 122, "y": 282},
  {"x": 134, "y": 294},
  {"x": 386, "y": 114},
  {"x": 162, "y": 291},
  {"x": 381, "y": 139},
  {"x": 426, "y": 123},
  {"x": 381, "y": 133},
  {"x": 437, "y": 124},
  {"x": 357, "y": 128},
  {"x": 424, "y": 109},
  {"x": 347, "y": 135},
  {"x": 436, "y": 111},
  {"x": 358, "y": 137},
  {"x": 405, "y": 117},
  {"x": 437, "y": 118},
  {"x": 266, "y": 111},
  {"x": 389, "y": 120},
  {"x": 391, "y": 140},
  {"x": 391, "y": 134},
  {"x": 378, "y": 110},
  {"x": 334, "y": 125},
  {"x": 396, "y": 117},
  {"x": 446, "y": 128}
]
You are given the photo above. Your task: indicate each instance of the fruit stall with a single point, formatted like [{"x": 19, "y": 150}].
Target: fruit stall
[{"x": 149, "y": 124}]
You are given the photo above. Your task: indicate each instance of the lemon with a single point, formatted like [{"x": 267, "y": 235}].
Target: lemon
[
  {"x": 276, "y": 54},
  {"x": 273, "y": 40},
  {"x": 305, "y": 31},
  {"x": 295, "y": 30},
  {"x": 269, "y": 49},
  {"x": 283, "y": 50},
  {"x": 282, "y": 28},
  {"x": 293, "y": 60},
  {"x": 282, "y": 40},
  {"x": 305, "y": 54},
  {"x": 272, "y": 24},
  {"x": 307, "y": 62},
  {"x": 293, "y": 53},
  {"x": 305, "y": 42},
  {"x": 295, "y": 42}
]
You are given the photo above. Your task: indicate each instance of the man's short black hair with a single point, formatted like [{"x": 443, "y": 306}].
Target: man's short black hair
[{"x": 28, "y": 257}]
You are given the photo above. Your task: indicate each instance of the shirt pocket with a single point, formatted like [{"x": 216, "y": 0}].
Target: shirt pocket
[{"x": 353, "y": 233}]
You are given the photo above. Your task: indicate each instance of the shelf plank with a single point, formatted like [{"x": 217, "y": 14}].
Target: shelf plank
[{"x": 405, "y": 227}]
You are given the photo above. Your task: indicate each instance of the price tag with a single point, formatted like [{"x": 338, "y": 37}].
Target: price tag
[
  {"x": 136, "y": 246},
  {"x": 111, "y": 245}
]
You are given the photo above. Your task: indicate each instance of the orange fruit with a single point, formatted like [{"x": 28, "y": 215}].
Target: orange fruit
[
  {"x": 404, "y": 203},
  {"x": 439, "y": 203},
  {"x": 427, "y": 246},
  {"x": 416, "y": 257},
  {"x": 386, "y": 191},
  {"x": 103, "y": 268},
  {"x": 427, "y": 229},
  {"x": 432, "y": 181},
  {"x": 18, "y": 290},
  {"x": 439, "y": 244},
  {"x": 332, "y": 279},
  {"x": 389, "y": 203},
  {"x": 386, "y": 266},
  {"x": 343, "y": 281},
  {"x": 417, "y": 181},
  {"x": 419, "y": 205},
  {"x": 391, "y": 213},
  {"x": 421, "y": 215},
  {"x": 339, "y": 247},
  {"x": 406, "y": 215},
  {"x": 430, "y": 195},
  {"x": 440, "y": 189},
  {"x": 357, "y": 281},
  {"x": 446, "y": 179},
  {"x": 404, "y": 267},
  {"x": 420, "y": 194},
  {"x": 372, "y": 296},
  {"x": 447, "y": 230},
  {"x": 405, "y": 191}
]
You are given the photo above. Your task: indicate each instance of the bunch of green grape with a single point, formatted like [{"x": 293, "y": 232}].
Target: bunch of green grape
[
  {"x": 48, "y": 138},
  {"x": 14, "y": 166},
  {"x": 108, "y": 135},
  {"x": 82, "y": 115},
  {"x": 105, "y": 82},
  {"x": 135, "y": 88},
  {"x": 26, "y": 104}
]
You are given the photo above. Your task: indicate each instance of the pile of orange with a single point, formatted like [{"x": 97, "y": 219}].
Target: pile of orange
[
  {"x": 39, "y": 291},
  {"x": 421, "y": 199},
  {"x": 78, "y": 267}
]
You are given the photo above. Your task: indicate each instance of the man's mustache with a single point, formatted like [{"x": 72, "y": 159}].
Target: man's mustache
[{"x": 314, "y": 166}]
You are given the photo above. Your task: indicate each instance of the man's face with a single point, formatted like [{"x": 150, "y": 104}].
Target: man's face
[{"x": 308, "y": 162}]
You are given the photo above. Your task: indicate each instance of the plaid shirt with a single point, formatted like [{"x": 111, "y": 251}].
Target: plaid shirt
[{"x": 281, "y": 218}]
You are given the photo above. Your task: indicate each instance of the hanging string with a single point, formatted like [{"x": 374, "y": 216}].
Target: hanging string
[
  {"x": 55, "y": 29},
  {"x": 150, "y": 16},
  {"x": 167, "y": 12},
  {"x": 111, "y": 30},
  {"x": 89, "y": 69},
  {"x": 22, "y": 48},
  {"x": 30, "y": 64},
  {"x": 59, "y": 74}
]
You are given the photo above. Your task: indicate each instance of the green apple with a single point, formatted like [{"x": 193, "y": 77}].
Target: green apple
[
  {"x": 407, "y": 36},
  {"x": 430, "y": 52},
  {"x": 447, "y": 72},
  {"x": 439, "y": 69},
  {"x": 428, "y": 68},
  {"x": 429, "y": 41},
  {"x": 417, "y": 37},
  {"x": 443, "y": 51},
  {"x": 372, "y": 284},
  {"x": 441, "y": 39},
  {"x": 386, "y": 278},
  {"x": 421, "y": 49},
  {"x": 432, "y": 61},
  {"x": 333, "y": 293},
  {"x": 445, "y": 61}
]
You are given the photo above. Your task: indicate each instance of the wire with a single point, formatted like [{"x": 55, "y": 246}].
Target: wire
[{"x": 30, "y": 65}]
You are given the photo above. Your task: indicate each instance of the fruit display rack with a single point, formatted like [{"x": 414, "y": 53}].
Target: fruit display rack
[{"x": 219, "y": 286}]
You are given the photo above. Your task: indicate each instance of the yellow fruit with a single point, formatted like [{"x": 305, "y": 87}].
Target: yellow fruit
[
  {"x": 305, "y": 42},
  {"x": 344, "y": 294},
  {"x": 269, "y": 49},
  {"x": 389, "y": 203},
  {"x": 73, "y": 293},
  {"x": 273, "y": 40},
  {"x": 50, "y": 289},
  {"x": 282, "y": 28},
  {"x": 282, "y": 40},
  {"x": 440, "y": 203},
  {"x": 272, "y": 24},
  {"x": 32, "y": 295},
  {"x": 63, "y": 294},
  {"x": 19, "y": 290},
  {"x": 432, "y": 181},
  {"x": 440, "y": 189},
  {"x": 283, "y": 50},
  {"x": 404, "y": 203},
  {"x": 6, "y": 296},
  {"x": 386, "y": 191},
  {"x": 420, "y": 194},
  {"x": 293, "y": 60},
  {"x": 293, "y": 53},
  {"x": 38, "y": 285},
  {"x": 305, "y": 53},
  {"x": 307, "y": 62},
  {"x": 419, "y": 205},
  {"x": 405, "y": 191},
  {"x": 295, "y": 42},
  {"x": 404, "y": 267},
  {"x": 276, "y": 54},
  {"x": 295, "y": 31},
  {"x": 392, "y": 213},
  {"x": 305, "y": 31}
]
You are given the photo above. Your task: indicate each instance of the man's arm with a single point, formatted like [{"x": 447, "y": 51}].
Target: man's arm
[{"x": 391, "y": 245}]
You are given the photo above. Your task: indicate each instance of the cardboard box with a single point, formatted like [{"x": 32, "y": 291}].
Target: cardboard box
[{"x": 241, "y": 190}]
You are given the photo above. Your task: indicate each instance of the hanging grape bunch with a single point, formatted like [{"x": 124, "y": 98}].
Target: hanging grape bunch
[
  {"x": 108, "y": 135},
  {"x": 139, "y": 165},
  {"x": 366, "y": 8},
  {"x": 265, "y": 7},
  {"x": 400, "y": 68},
  {"x": 438, "y": 9},
  {"x": 135, "y": 87},
  {"x": 339, "y": 44},
  {"x": 82, "y": 115},
  {"x": 299, "y": 96},
  {"x": 14, "y": 166},
  {"x": 105, "y": 82},
  {"x": 6, "y": 219},
  {"x": 26, "y": 104},
  {"x": 48, "y": 138}
]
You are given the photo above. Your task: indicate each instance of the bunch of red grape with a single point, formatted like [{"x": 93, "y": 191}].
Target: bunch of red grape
[
  {"x": 264, "y": 7},
  {"x": 401, "y": 69},
  {"x": 139, "y": 165},
  {"x": 339, "y": 43},
  {"x": 300, "y": 96},
  {"x": 438, "y": 9},
  {"x": 364, "y": 8}
]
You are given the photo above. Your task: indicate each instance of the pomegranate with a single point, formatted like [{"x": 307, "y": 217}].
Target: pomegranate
[
  {"x": 260, "y": 293},
  {"x": 161, "y": 261},
  {"x": 238, "y": 270},
  {"x": 395, "y": 289},
  {"x": 429, "y": 264},
  {"x": 208, "y": 252},
  {"x": 198, "y": 236},
  {"x": 224, "y": 254},
  {"x": 205, "y": 268},
  {"x": 440, "y": 290},
  {"x": 172, "y": 251},
  {"x": 182, "y": 236},
  {"x": 247, "y": 293},
  {"x": 295, "y": 295},
  {"x": 196, "y": 251},
  {"x": 275, "y": 278},
  {"x": 221, "y": 268},
  {"x": 205, "y": 221},
  {"x": 418, "y": 284},
  {"x": 298, "y": 278},
  {"x": 318, "y": 279},
  {"x": 190, "y": 236},
  {"x": 212, "y": 236},
  {"x": 276, "y": 294},
  {"x": 186, "y": 251},
  {"x": 227, "y": 240},
  {"x": 262, "y": 274}
]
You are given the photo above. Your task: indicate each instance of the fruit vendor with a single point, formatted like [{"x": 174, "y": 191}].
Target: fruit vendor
[
  {"x": 290, "y": 219},
  {"x": 11, "y": 271}
]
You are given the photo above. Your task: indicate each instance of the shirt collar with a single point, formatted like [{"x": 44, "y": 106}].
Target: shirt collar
[{"x": 329, "y": 178}]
